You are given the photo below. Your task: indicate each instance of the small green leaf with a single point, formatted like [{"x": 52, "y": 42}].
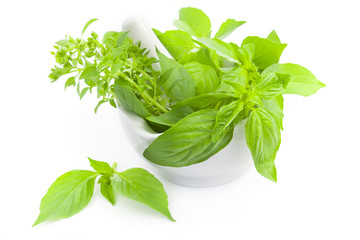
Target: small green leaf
[
  {"x": 90, "y": 75},
  {"x": 271, "y": 84},
  {"x": 266, "y": 53},
  {"x": 70, "y": 82},
  {"x": 128, "y": 100},
  {"x": 121, "y": 39},
  {"x": 87, "y": 24},
  {"x": 263, "y": 139},
  {"x": 228, "y": 27},
  {"x": 188, "y": 141},
  {"x": 177, "y": 42},
  {"x": 140, "y": 185},
  {"x": 205, "y": 77},
  {"x": 68, "y": 195},
  {"x": 175, "y": 80},
  {"x": 222, "y": 48},
  {"x": 83, "y": 92},
  {"x": 99, "y": 104},
  {"x": 273, "y": 37},
  {"x": 194, "y": 21},
  {"x": 225, "y": 117},
  {"x": 302, "y": 81},
  {"x": 100, "y": 167},
  {"x": 208, "y": 57},
  {"x": 106, "y": 188}
]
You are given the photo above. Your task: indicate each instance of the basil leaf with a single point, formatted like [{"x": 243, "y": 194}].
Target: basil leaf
[
  {"x": 263, "y": 139},
  {"x": 273, "y": 37},
  {"x": 271, "y": 84},
  {"x": 100, "y": 167},
  {"x": 222, "y": 48},
  {"x": 171, "y": 117},
  {"x": 106, "y": 188},
  {"x": 176, "y": 80},
  {"x": 266, "y": 53},
  {"x": 275, "y": 106},
  {"x": 128, "y": 100},
  {"x": 227, "y": 28},
  {"x": 140, "y": 185},
  {"x": 225, "y": 117},
  {"x": 88, "y": 24},
  {"x": 236, "y": 75},
  {"x": 205, "y": 77},
  {"x": 177, "y": 42},
  {"x": 208, "y": 57},
  {"x": 189, "y": 141},
  {"x": 204, "y": 100},
  {"x": 70, "y": 82},
  {"x": 302, "y": 81},
  {"x": 90, "y": 75},
  {"x": 68, "y": 195},
  {"x": 194, "y": 21}
]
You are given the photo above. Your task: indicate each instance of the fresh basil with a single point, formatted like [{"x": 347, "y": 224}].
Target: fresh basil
[
  {"x": 72, "y": 191},
  {"x": 189, "y": 141},
  {"x": 176, "y": 80},
  {"x": 225, "y": 117},
  {"x": 227, "y": 28},
  {"x": 141, "y": 186},
  {"x": 263, "y": 139},
  {"x": 194, "y": 21},
  {"x": 302, "y": 81},
  {"x": 205, "y": 77},
  {"x": 266, "y": 53},
  {"x": 177, "y": 42},
  {"x": 68, "y": 195}
]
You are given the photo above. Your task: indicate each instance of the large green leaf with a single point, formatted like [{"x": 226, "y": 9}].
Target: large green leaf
[
  {"x": 228, "y": 27},
  {"x": 225, "y": 117},
  {"x": 263, "y": 139},
  {"x": 68, "y": 195},
  {"x": 175, "y": 80},
  {"x": 189, "y": 141},
  {"x": 222, "y": 48},
  {"x": 140, "y": 185},
  {"x": 194, "y": 21},
  {"x": 208, "y": 57},
  {"x": 177, "y": 42},
  {"x": 267, "y": 52},
  {"x": 205, "y": 77},
  {"x": 275, "y": 106},
  {"x": 128, "y": 100},
  {"x": 302, "y": 81}
]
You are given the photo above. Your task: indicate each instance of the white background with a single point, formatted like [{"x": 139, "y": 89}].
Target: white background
[{"x": 45, "y": 131}]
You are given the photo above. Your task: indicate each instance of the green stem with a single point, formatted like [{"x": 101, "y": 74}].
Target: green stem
[{"x": 144, "y": 94}]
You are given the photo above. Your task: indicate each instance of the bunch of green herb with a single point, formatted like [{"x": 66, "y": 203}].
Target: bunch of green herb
[
  {"x": 232, "y": 83},
  {"x": 196, "y": 99},
  {"x": 114, "y": 61}
]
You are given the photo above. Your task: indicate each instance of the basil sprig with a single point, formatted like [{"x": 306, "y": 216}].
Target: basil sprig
[{"x": 72, "y": 191}]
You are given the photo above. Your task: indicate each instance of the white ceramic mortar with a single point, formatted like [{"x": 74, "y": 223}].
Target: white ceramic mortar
[{"x": 227, "y": 165}]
